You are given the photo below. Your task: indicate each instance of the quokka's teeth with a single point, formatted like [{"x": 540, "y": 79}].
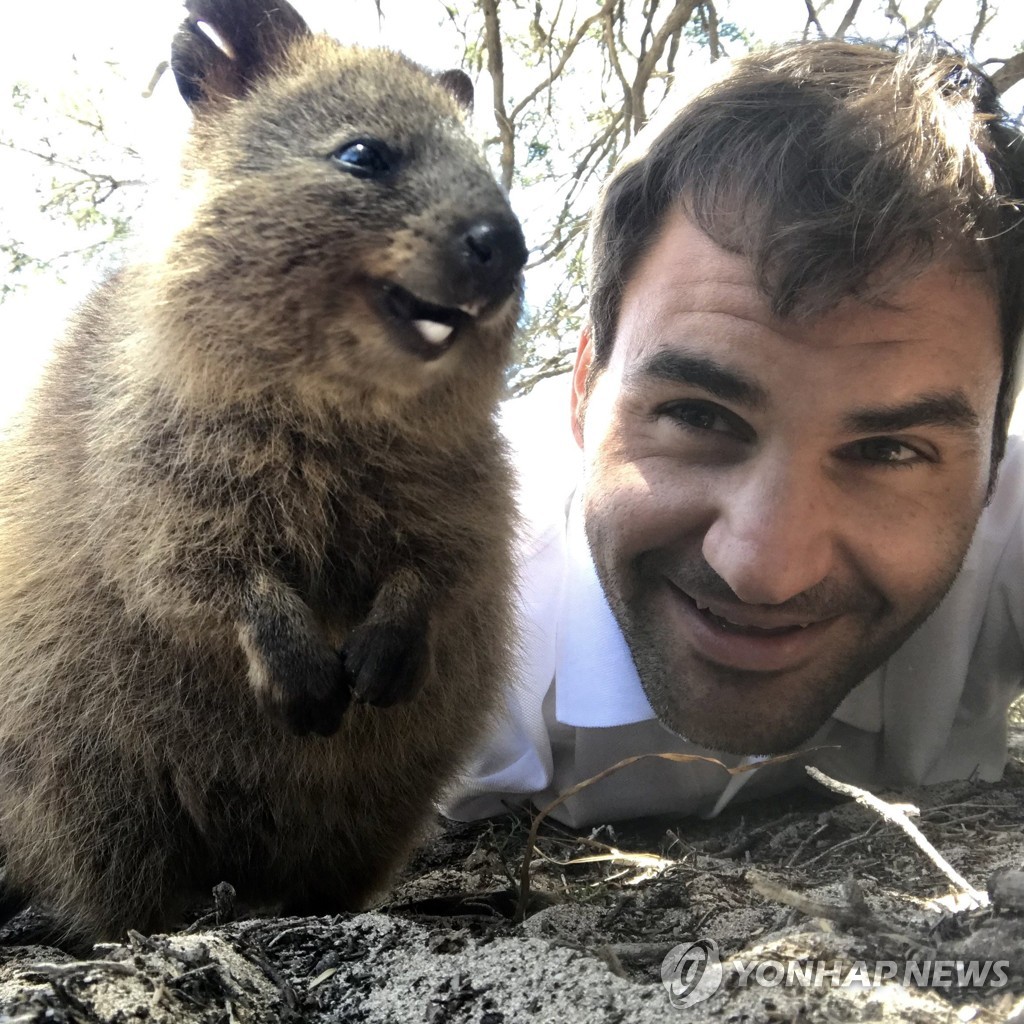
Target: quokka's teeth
[
  {"x": 472, "y": 309},
  {"x": 434, "y": 332}
]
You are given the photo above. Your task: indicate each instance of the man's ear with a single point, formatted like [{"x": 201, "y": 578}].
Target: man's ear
[{"x": 584, "y": 357}]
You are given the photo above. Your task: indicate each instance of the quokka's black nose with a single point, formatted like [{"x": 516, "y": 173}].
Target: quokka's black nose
[{"x": 491, "y": 253}]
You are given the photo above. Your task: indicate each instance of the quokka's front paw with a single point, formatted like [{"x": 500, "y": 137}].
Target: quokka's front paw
[
  {"x": 298, "y": 677},
  {"x": 313, "y": 699},
  {"x": 386, "y": 662}
]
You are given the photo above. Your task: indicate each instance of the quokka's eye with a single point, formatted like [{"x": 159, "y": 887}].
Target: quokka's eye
[{"x": 366, "y": 158}]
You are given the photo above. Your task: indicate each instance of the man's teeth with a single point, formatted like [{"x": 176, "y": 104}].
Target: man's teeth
[
  {"x": 432, "y": 331},
  {"x": 740, "y": 625}
]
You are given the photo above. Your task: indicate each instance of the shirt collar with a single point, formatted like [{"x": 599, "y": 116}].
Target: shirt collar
[{"x": 596, "y": 681}]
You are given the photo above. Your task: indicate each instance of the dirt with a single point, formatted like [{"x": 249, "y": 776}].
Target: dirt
[{"x": 802, "y": 884}]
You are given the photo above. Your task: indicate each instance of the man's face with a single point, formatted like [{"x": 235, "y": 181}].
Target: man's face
[{"x": 774, "y": 506}]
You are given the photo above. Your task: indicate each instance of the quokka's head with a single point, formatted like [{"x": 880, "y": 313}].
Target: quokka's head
[{"x": 344, "y": 237}]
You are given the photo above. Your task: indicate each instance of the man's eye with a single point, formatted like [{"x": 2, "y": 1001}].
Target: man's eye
[
  {"x": 696, "y": 416},
  {"x": 886, "y": 450},
  {"x": 706, "y": 417}
]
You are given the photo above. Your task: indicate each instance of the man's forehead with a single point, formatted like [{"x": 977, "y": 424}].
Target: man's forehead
[{"x": 687, "y": 284}]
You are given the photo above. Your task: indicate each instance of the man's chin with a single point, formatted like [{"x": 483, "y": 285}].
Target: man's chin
[{"x": 743, "y": 731}]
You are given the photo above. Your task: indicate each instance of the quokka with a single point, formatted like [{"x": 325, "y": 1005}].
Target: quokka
[{"x": 255, "y": 519}]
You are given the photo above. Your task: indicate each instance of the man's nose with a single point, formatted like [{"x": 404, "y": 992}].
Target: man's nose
[{"x": 774, "y": 535}]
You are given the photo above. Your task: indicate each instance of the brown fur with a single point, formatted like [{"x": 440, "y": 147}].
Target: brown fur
[{"x": 235, "y": 497}]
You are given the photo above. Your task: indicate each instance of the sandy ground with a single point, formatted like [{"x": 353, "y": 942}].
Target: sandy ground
[{"x": 827, "y": 890}]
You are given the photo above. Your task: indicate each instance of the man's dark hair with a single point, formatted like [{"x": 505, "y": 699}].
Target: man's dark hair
[{"x": 839, "y": 170}]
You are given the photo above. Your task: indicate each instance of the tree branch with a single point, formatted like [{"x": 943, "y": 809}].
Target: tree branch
[
  {"x": 927, "y": 17},
  {"x": 496, "y": 68},
  {"x": 553, "y": 366},
  {"x": 979, "y": 25},
  {"x": 567, "y": 52},
  {"x": 844, "y": 25},
  {"x": 812, "y": 19},
  {"x": 893, "y": 13},
  {"x": 1009, "y": 74},
  {"x": 98, "y": 177},
  {"x": 710, "y": 16},
  {"x": 673, "y": 24},
  {"x": 613, "y": 58}
]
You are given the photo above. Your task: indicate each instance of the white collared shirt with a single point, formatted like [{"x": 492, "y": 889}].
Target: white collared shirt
[{"x": 935, "y": 711}]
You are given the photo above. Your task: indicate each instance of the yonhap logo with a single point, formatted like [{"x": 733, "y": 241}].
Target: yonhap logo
[{"x": 692, "y": 973}]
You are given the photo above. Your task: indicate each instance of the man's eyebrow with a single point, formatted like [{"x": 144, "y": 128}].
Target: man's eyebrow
[
  {"x": 701, "y": 372},
  {"x": 929, "y": 410}
]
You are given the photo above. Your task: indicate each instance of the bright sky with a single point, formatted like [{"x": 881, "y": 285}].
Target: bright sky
[
  {"x": 136, "y": 34},
  {"x": 43, "y": 46}
]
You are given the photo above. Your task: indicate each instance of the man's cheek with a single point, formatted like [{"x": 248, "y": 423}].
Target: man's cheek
[{"x": 619, "y": 507}]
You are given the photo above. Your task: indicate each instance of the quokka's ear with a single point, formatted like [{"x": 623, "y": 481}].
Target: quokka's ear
[
  {"x": 459, "y": 84},
  {"x": 224, "y": 46}
]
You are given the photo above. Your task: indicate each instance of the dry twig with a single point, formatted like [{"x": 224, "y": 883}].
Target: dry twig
[
  {"x": 524, "y": 874},
  {"x": 854, "y": 913},
  {"x": 898, "y": 815}
]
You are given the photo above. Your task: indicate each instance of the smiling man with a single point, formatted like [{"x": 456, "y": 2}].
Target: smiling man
[
  {"x": 796, "y": 524},
  {"x": 774, "y": 506}
]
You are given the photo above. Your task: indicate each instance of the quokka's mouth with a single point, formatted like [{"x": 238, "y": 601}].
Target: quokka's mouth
[{"x": 422, "y": 328}]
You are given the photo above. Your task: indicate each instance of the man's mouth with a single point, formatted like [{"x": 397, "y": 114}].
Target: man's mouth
[
  {"x": 749, "y": 639},
  {"x": 729, "y": 623}
]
